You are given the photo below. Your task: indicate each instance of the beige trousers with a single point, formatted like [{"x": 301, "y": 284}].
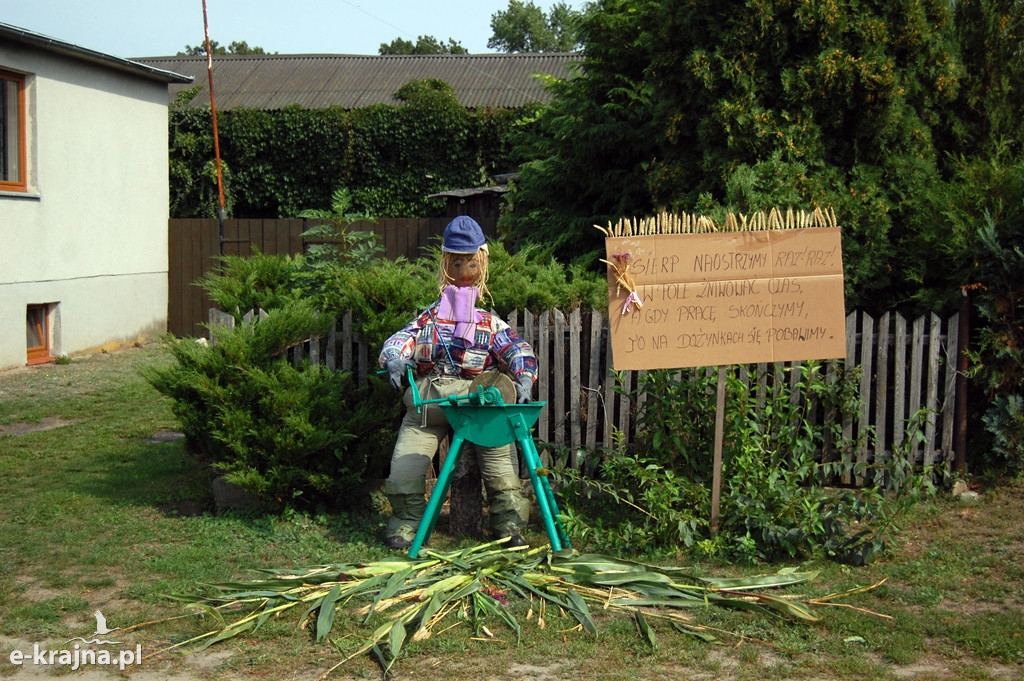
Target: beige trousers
[
  {"x": 420, "y": 434},
  {"x": 418, "y": 438}
]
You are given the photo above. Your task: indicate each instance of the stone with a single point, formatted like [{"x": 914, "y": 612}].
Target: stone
[
  {"x": 963, "y": 492},
  {"x": 228, "y": 496}
]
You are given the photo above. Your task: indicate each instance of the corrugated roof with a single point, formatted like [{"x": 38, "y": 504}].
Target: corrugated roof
[{"x": 317, "y": 81}]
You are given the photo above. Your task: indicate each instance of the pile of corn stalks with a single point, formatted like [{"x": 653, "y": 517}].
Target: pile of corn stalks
[{"x": 414, "y": 599}]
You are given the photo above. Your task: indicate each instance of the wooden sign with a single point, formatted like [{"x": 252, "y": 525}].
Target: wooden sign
[{"x": 733, "y": 297}]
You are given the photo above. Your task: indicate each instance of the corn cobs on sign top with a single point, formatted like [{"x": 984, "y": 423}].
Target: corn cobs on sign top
[{"x": 684, "y": 292}]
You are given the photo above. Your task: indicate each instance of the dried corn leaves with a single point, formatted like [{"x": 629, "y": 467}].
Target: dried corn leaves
[{"x": 405, "y": 600}]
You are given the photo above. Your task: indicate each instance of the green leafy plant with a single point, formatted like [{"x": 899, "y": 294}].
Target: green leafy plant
[
  {"x": 976, "y": 258},
  {"x": 531, "y": 279},
  {"x": 678, "y": 419},
  {"x": 776, "y": 501},
  {"x": 857, "y": 526},
  {"x": 997, "y": 360},
  {"x": 681, "y": 105},
  {"x": 632, "y": 501},
  {"x": 773, "y": 478},
  {"x": 192, "y": 165},
  {"x": 1004, "y": 419},
  {"x": 335, "y": 240}
]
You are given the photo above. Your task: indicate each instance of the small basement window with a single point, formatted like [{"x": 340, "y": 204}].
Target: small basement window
[{"x": 37, "y": 339}]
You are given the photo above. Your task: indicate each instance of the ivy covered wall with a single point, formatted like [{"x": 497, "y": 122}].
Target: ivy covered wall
[{"x": 278, "y": 163}]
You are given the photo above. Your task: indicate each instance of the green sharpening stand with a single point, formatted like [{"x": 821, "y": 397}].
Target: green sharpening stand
[{"x": 483, "y": 418}]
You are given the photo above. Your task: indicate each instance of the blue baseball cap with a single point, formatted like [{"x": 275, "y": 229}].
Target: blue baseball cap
[{"x": 463, "y": 235}]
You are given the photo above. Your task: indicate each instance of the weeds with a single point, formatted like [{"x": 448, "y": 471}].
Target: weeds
[{"x": 780, "y": 460}]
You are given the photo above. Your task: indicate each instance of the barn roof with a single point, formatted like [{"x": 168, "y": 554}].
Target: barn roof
[{"x": 317, "y": 81}]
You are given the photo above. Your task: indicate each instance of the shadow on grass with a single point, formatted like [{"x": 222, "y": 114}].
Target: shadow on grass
[{"x": 159, "y": 473}]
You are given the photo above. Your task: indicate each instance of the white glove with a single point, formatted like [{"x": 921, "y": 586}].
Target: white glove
[
  {"x": 524, "y": 389},
  {"x": 397, "y": 370}
]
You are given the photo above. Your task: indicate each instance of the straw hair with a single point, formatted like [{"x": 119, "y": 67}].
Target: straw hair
[
  {"x": 444, "y": 278},
  {"x": 671, "y": 223}
]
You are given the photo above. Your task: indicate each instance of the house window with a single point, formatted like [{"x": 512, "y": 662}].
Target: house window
[
  {"x": 37, "y": 339},
  {"x": 12, "y": 132}
]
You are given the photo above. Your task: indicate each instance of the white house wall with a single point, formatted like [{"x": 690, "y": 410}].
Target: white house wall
[{"x": 90, "y": 238}]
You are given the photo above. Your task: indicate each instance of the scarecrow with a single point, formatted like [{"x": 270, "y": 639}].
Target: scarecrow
[{"x": 449, "y": 346}]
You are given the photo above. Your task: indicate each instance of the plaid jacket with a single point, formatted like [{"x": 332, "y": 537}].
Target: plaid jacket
[{"x": 433, "y": 345}]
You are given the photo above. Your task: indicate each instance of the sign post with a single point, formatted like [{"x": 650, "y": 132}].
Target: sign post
[
  {"x": 716, "y": 464},
  {"x": 683, "y": 292}
]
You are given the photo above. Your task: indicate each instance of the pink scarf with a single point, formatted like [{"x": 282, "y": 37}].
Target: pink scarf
[{"x": 458, "y": 304}]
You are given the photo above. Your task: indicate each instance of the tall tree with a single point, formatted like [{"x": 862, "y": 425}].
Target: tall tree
[
  {"x": 425, "y": 44},
  {"x": 236, "y": 47},
  {"x": 524, "y": 27},
  {"x": 700, "y": 104},
  {"x": 991, "y": 35}
]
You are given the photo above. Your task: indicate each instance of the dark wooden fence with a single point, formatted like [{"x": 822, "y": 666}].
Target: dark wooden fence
[
  {"x": 908, "y": 367},
  {"x": 196, "y": 245}
]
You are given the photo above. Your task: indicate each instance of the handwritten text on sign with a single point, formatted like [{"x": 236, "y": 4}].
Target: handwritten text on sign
[{"x": 729, "y": 298}]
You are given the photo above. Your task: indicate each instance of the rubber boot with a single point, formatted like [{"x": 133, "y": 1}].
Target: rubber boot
[
  {"x": 408, "y": 504},
  {"x": 509, "y": 509}
]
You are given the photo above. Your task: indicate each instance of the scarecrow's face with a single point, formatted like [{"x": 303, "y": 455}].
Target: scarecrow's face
[{"x": 463, "y": 270}]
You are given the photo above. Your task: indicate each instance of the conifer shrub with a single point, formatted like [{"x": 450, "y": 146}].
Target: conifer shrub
[
  {"x": 997, "y": 359},
  {"x": 303, "y": 435},
  {"x": 294, "y": 436}
]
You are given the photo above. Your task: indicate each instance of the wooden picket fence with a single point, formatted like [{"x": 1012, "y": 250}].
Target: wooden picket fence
[{"x": 908, "y": 368}]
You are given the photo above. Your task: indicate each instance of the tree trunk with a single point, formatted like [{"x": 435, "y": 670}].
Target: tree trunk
[{"x": 466, "y": 509}]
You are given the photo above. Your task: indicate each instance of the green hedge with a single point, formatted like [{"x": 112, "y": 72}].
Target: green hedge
[
  {"x": 278, "y": 163},
  {"x": 384, "y": 295}
]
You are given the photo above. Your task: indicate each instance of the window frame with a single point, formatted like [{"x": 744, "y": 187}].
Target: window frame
[{"x": 19, "y": 82}]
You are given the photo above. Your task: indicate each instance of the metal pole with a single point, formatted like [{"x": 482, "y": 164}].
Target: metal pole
[{"x": 221, "y": 213}]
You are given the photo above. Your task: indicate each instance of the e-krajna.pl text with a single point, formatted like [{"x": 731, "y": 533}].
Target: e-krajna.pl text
[{"x": 78, "y": 657}]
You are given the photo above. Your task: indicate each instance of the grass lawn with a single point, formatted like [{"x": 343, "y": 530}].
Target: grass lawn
[{"x": 104, "y": 510}]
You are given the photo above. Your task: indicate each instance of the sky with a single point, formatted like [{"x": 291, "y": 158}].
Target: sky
[{"x": 159, "y": 28}]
